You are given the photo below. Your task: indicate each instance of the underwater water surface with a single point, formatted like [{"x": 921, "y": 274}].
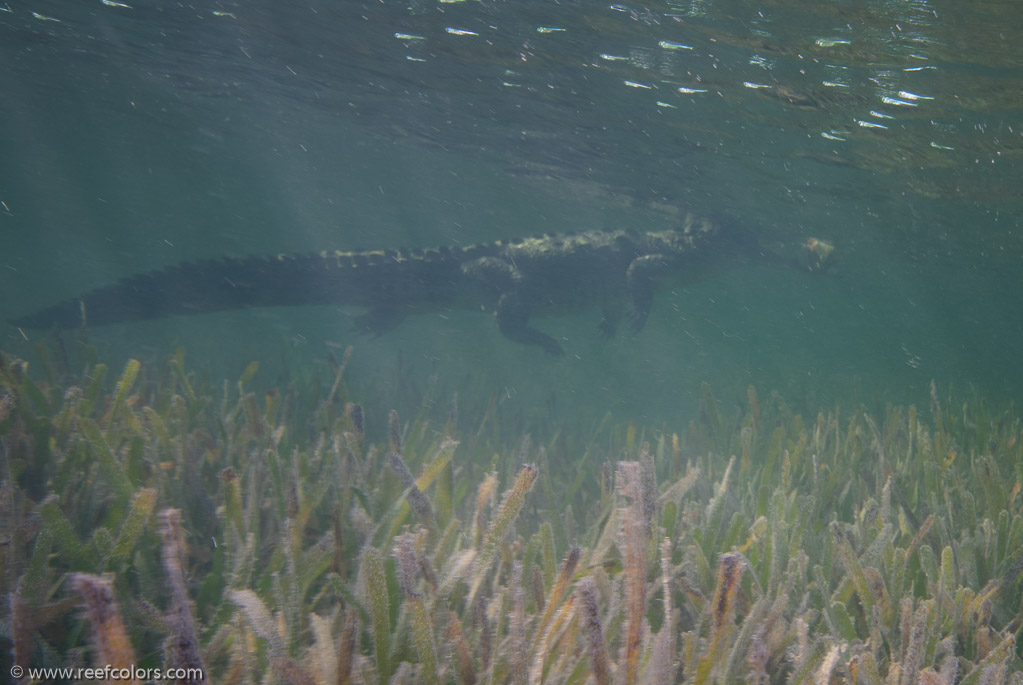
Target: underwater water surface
[{"x": 135, "y": 136}]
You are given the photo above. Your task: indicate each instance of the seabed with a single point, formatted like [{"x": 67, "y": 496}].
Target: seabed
[{"x": 157, "y": 521}]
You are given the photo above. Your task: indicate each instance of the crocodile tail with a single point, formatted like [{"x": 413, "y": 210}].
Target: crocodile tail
[{"x": 195, "y": 288}]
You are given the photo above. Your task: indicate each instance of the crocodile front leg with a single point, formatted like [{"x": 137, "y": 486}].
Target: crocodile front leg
[{"x": 640, "y": 281}]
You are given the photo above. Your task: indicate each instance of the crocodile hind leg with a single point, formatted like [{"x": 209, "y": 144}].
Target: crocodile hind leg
[
  {"x": 640, "y": 279},
  {"x": 495, "y": 273},
  {"x": 513, "y": 321},
  {"x": 512, "y": 309}
]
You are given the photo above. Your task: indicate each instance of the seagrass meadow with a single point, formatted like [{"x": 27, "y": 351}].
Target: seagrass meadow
[{"x": 157, "y": 519}]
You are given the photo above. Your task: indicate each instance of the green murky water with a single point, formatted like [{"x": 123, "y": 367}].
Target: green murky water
[{"x": 137, "y": 137}]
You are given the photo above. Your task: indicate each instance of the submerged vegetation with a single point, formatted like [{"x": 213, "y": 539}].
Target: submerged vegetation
[{"x": 268, "y": 538}]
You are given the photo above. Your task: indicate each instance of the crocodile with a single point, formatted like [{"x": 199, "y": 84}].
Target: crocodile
[{"x": 513, "y": 279}]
